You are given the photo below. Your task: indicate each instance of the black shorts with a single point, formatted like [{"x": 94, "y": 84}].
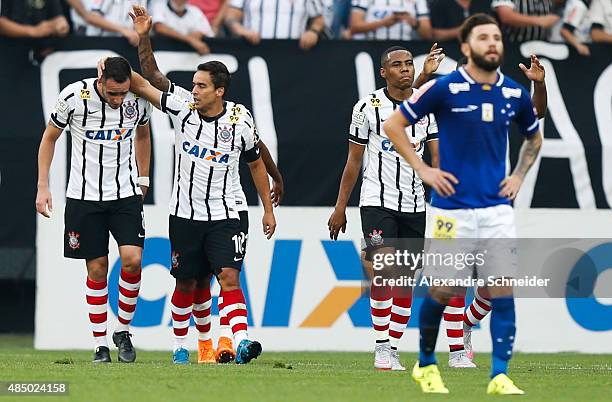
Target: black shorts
[
  {"x": 87, "y": 225},
  {"x": 383, "y": 227},
  {"x": 200, "y": 248}
]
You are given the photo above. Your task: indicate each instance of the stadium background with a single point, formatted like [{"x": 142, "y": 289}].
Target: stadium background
[{"x": 299, "y": 284}]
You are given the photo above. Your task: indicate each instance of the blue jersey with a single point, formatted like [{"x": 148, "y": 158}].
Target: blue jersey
[{"x": 473, "y": 122}]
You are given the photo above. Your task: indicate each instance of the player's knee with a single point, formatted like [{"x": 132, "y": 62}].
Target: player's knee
[
  {"x": 229, "y": 279},
  {"x": 185, "y": 285},
  {"x": 131, "y": 263},
  {"x": 439, "y": 295}
]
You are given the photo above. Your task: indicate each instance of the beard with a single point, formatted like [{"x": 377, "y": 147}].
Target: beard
[{"x": 487, "y": 65}]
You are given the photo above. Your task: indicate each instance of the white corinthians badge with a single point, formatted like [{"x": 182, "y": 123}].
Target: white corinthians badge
[{"x": 487, "y": 112}]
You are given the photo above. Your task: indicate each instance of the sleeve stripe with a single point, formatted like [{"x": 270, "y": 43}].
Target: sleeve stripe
[
  {"x": 405, "y": 108},
  {"x": 533, "y": 126},
  {"x": 357, "y": 140},
  {"x": 58, "y": 123},
  {"x": 69, "y": 96},
  {"x": 163, "y": 100}
]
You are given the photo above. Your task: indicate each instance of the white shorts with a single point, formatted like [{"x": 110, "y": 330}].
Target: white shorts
[{"x": 481, "y": 243}]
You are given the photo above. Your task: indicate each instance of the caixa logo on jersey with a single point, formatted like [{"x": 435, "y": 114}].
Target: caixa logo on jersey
[
  {"x": 387, "y": 145},
  {"x": 109, "y": 135},
  {"x": 207, "y": 154}
]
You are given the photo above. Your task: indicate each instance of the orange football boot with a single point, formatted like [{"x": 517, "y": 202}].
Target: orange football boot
[
  {"x": 225, "y": 350},
  {"x": 206, "y": 352}
]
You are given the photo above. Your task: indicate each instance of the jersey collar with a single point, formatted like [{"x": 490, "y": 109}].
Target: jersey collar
[
  {"x": 392, "y": 99},
  {"x": 466, "y": 76},
  {"x": 213, "y": 118}
]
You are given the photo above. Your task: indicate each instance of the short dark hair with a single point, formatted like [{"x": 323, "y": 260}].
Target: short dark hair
[
  {"x": 219, "y": 74},
  {"x": 472, "y": 22},
  {"x": 385, "y": 55},
  {"x": 117, "y": 68}
]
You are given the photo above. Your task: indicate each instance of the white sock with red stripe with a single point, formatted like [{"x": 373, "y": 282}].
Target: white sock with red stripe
[
  {"x": 400, "y": 315},
  {"x": 201, "y": 312},
  {"x": 380, "y": 310},
  {"x": 97, "y": 301},
  {"x": 129, "y": 286},
  {"x": 453, "y": 320},
  {"x": 224, "y": 327},
  {"x": 236, "y": 312},
  {"x": 480, "y": 307},
  {"x": 181, "y": 313}
]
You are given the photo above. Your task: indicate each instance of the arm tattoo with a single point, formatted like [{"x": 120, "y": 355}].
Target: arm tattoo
[
  {"x": 149, "y": 66},
  {"x": 528, "y": 155}
]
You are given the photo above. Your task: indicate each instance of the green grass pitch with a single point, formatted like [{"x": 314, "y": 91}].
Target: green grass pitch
[{"x": 293, "y": 377}]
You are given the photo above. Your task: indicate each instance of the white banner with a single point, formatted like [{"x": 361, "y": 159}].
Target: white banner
[{"x": 303, "y": 290}]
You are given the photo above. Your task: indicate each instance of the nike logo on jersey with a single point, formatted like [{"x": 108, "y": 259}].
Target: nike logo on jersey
[
  {"x": 92, "y": 112},
  {"x": 468, "y": 108},
  {"x": 141, "y": 236},
  {"x": 190, "y": 123},
  {"x": 237, "y": 259}
]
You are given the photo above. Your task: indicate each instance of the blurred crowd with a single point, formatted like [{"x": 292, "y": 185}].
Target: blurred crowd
[{"x": 576, "y": 22}]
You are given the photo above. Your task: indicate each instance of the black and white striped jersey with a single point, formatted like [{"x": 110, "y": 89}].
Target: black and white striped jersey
[
  {"x": 379, "y": 9},
  {"x": 207, "y": 150},
  {"x": 526, "y": 7},
  {"x": 103, "y": 160},
  {"x": 388, "y": 180},
  {"x": 239, "y": 196},
  {"x": 278, "y": 19}
]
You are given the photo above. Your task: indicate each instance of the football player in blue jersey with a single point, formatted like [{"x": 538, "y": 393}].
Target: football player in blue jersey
[{"x": 471, "y": 192}]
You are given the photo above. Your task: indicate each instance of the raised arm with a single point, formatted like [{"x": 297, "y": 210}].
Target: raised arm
[
  {"x": 430, "y": 65},
  {"x": 536, "y": 73},
  {"x": 337, "y": 220},
  {"x": 142, "y": 25},
  {"x": 144, "y": 89}
]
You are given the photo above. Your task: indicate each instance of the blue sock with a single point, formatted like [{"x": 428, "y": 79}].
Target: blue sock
[
  {"x": 429, "y": 323},
  {"x": 503, "y": 330}
]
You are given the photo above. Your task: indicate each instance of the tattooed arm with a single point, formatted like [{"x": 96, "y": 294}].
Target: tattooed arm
[
  {"x": 511, "y": 185},
  {"x": 142, "y": 25}
]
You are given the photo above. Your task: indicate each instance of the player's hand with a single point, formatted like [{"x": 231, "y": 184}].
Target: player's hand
[
  {"x": 43, "y": 29},
  {"x": 141, "y": 19},
  {"x": 252, "y": 37},
  {"x": 336, "y": 223},
  {"x": 199, "y": 46},
  {"x": 439, "y": 180},
  {"x": 277, "y": 192},
  {"x": 535, "y": 72},
  {"x": 44, "y": 203},
  {"x": 390, "y": 20},
  {"x": 308, "y": 40},
  {"x": 510, "y": 187},
  {"x": 144, "y": 190},
  {"x": 61, "y": 26},
  {"x": 408, "y": 19},
  {"x": 100, "y": 66},
  {"x": 269, "y": 224},
  {"x": 583, "y": 49},
  {"x": 547, "y": 21},
  {"x": 433, "y": 59}
]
